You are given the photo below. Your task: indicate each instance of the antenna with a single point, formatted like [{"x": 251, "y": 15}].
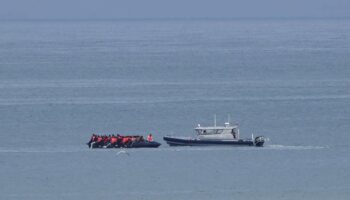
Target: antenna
[
  {"x": 215, "y": 120},
  {"x": 228, "y": 118}
]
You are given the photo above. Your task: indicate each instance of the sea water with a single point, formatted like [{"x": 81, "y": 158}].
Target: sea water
[{"x": 61, "y": 81}]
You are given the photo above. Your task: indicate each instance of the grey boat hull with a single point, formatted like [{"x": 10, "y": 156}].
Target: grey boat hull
[{"x": 176, "y": 141}]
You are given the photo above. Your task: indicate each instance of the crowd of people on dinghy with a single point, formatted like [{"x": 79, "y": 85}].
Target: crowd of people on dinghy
[{"x": 117, "y": 141}]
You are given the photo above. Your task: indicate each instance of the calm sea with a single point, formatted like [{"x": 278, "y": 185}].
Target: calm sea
[{"x": 61, "y": 81}]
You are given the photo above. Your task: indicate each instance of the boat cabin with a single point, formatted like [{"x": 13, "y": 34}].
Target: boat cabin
[{"x": 218, "y": 132}]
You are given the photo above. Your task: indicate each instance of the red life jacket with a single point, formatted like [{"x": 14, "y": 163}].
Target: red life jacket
[
  {"x": 113, "y": 140},
  {"x": 149, "y": 138},
  {"x": 125, "y": 140},
  {"x": 99, "y": 139}
]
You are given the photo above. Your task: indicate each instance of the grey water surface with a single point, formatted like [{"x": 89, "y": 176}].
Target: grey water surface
[{"x": 61, "y": 81}]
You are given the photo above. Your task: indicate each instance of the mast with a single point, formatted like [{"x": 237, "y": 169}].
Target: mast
[{"x": 214, "y": 120}]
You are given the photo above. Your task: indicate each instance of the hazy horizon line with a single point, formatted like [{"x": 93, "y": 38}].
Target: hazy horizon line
[{"x": 173, "y": 18}]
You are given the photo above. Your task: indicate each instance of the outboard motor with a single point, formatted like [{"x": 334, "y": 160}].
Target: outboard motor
[{"x": 259, "y": 141}]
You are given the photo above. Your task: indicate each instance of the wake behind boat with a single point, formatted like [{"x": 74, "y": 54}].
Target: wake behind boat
[{"x": 215, "y": 135}]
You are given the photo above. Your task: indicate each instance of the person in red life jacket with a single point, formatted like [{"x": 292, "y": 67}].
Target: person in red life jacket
[
  {"x": 150, "y": 138},
  {"x": 126, "y": 141},
  {"x": 107, "y": 141},
  {"x": 99, "y": 141},
  {"x": 96, "y": 141},
  {"x": 119, "y": 140},
  {"x": 129, "y": 141},
  {"x": 113, "y": 141},
  {"x": 103, "y": 140}
]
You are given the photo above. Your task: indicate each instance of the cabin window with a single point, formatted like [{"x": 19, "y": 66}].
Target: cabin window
[{"x": 209, "y": 132}]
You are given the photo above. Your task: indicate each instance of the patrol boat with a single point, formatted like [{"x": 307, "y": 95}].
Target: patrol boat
[{"x": 215, "y": 135}]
